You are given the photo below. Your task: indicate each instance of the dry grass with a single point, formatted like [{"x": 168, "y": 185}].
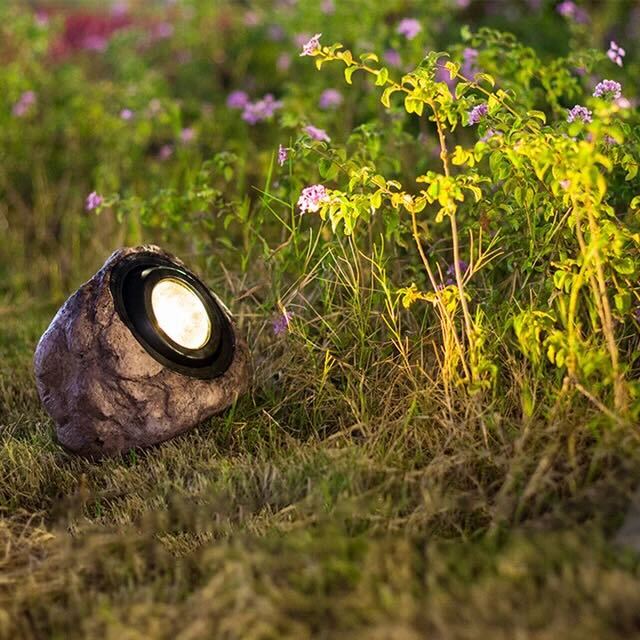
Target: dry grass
[{"x": 347, "y": 498}]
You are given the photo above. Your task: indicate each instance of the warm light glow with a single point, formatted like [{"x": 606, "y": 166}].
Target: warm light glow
[{"x": 180, "y": 313}]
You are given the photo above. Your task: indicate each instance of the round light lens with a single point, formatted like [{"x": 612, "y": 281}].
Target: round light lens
[{"x": 180, "y": 313}]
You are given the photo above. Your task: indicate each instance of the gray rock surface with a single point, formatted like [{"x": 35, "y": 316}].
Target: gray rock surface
[{"x": 105, "y": 393}]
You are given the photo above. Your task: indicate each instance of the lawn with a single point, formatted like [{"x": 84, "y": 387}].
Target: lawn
[{"x": 436, "y": 269}]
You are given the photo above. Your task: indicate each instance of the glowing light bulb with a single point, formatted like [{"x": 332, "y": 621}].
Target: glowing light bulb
[{"x": 180, "y": 313}]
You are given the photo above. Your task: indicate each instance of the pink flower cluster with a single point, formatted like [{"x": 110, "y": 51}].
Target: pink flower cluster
[
  {"x": 94, "y": 200},
  {"x": 253, "y": 112},
  {"x": 237, "y": 100},
  {"x": 616, "y": 53},
  {"x": 392, "y": 57},
  {"x": 24, "y": 104},
  {"x": 283, "y": 154},
  {"x": 260, "y": 110},
  {"x": 310, "y": 47},
  {"x": 477, "y": 113},
  {"x": 579, "y": 113},
  {"x": 312, "y": 198},
  {"x": 569, "y": 9},
  {"x": 409, "y": 28},
  {"x": 330, "y": 98},
  {"x": 317, "y": 134},
  {"x": 608, "y": 89},
  {"x": 282, "y": 322}
]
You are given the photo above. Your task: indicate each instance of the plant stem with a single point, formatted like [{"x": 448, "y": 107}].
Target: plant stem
[
  {"x": 619, "y": 391},
  {"x": 455, "y": 240}
]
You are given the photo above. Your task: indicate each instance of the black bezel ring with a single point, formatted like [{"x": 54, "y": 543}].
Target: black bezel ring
[{"x": 132, "y": 281}]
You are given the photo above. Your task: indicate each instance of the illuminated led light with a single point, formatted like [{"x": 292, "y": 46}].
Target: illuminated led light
[
  {"x": 180, "y": 313},
  {"x": 174, "y": 316}
]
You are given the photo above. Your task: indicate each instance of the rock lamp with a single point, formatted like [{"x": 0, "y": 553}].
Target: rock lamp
[{"x": 142, "y": 352}]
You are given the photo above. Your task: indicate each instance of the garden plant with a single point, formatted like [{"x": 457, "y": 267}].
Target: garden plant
[{"x": 425, "y": 218}]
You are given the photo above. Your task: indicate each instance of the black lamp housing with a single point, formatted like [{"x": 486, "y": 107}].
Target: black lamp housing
[{"x": 131, "y": 284}]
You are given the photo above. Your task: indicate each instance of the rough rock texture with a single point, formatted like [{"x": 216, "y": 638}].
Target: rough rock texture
[{"x": 105, "y": 393}]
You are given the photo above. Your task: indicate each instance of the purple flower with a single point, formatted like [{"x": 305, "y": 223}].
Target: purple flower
[
  {"x": 283, "y": 62},
  {"x": 327, "y": 7},
  {"x": 283, "y": 154},
  {"x": 566, "y": 8},
  {"x": 569, "y": 9},
  {"x": 94, "y": 200},
  {"x": 95, "y": 43},
  {"x": 126, "y": 114},
  {"x": 275, "y": 33},
  {"x": 451, "y": 271},
  {"x": 251, "y": 19},
  {"x": 237, "y": 100},
  {"x": 608, "y": 89},
  {"x": 119, "y": 9},
  {"x": 477, "y": 113},
  {"x": 187, "y": 135},
  {"x": 392, "y": 57},
  {"x": 469, "y": 60},
  {"x": 163, "y": 30},
  {"x": 616, "y": 53},
  {"x": 311, "y": 46},
  {"x": 281, "y": 323},
  {"x": 565, "y": 184},
  {"x": 491, "y": 133},
  {"x": 25, "y": 102},
  {"x": 409, "y": 28},
  {"x": 330, "y": 98},
  {"x": 579, "y": 113},
  {"x": 41, "y": 18},
  {"x": 317, "y": 134},
  {"x": 312, "y": 198},
  {"x": 260, "y": 110},
  {"x": 166, "y": 151}
]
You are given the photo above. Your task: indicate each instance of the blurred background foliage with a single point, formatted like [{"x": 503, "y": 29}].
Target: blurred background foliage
[{"x": 172, "y": 65}]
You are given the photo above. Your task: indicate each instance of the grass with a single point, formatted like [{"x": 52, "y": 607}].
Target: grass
[{"x": 346, "y": 498}]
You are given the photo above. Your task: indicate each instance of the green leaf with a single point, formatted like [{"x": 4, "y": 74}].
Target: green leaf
[
  {"x": 486, "y": 77},
  {"x": 382, "y": 77},
  {"x": 413, "y": 105},
  {"x": 386, "y": 96},
  {"x": 623, "y": 302},
  {"x": 537, "y": 114},
  {"x": 624, "y": 266},
  {"x": 459, "y": 155},
  {"x": 453, "y": 68},
  {"x": 461, "y": 89},
  {"x": 348, "y": 72}
]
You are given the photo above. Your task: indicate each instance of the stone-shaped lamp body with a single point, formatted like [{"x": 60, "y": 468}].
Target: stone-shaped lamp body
[{"x": 110, "y": 384}]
